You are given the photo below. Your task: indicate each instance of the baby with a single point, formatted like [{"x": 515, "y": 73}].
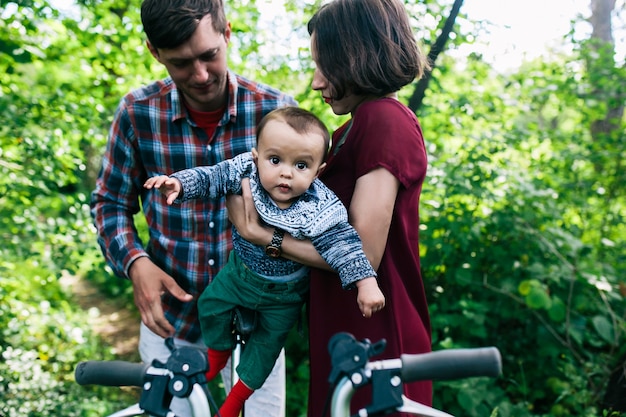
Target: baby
[{"x": 283, "y": 170}]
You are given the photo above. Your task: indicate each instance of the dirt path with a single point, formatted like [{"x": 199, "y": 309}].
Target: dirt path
[{"x": 112, "y": 320}]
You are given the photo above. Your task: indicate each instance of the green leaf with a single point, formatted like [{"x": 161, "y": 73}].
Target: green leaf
[
  {"x": 525, "y": 287},
  {"x": 557, "y": 310},
  {"x": 538, "y": 298},
  {"x": 467, "y": 400},
  {"x": 604, "y": 327}
]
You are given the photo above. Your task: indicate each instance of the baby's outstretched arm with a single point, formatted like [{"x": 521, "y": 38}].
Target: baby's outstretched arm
[
  {"x": 169, "y": 187},
  {"x": 370, "y": 298}
]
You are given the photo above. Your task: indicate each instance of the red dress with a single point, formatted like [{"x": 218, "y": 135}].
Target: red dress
[{"x": 384, "y": 133}]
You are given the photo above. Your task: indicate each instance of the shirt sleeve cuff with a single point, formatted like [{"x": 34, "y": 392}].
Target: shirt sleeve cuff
[{"x": 131, "y": 259}]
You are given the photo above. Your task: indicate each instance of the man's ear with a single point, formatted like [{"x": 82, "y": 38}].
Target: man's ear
[
  {"x": 227, "y": 33},
  {"x": 154, "y": 51},
  {"x": 320, "y": 169}
]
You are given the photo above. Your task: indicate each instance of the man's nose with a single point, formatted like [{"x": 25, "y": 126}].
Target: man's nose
[{"x": 200, "y": 72}]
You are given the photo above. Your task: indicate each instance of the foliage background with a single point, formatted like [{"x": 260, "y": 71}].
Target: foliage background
[{"x": 522, "y": 228}]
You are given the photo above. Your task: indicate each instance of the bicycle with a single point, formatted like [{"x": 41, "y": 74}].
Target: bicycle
[{"x": 183, "y": 376}]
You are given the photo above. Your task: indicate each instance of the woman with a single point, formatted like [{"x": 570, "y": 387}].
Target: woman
[{"x": 376, "y": 166}]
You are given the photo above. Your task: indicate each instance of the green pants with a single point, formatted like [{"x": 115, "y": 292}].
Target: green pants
[{"x": 278, "y": 306}]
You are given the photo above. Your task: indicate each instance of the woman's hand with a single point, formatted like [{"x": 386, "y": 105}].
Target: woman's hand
[{"x": 242, "y": 213}]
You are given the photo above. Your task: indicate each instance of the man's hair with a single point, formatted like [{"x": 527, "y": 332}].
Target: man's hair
[
  {"x": 300, "y": 120},
  {"x": 366, "y": 47},
  {"x": 170, "y": 23}
]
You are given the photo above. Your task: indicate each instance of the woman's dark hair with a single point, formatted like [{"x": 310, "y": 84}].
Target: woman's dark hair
[
  {"x": 299, "y": 119},
  {"x": 170, "y": 23},
  {"x": 366, "y": 47}
]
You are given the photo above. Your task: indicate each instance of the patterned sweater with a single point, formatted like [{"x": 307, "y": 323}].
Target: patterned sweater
[{"x": 317, "y": 215}]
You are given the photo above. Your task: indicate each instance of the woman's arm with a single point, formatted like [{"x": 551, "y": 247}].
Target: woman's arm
[
  {"x": 243, "y": 215},
  {"x": 303, "y": 251},
  {"x": 371, "y": 211},
  {"x": 370, "y": 214}
]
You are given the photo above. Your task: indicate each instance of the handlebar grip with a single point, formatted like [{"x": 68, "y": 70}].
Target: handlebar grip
[
  {"x": 451, "y": 364},
  {"x": 111, "y": 373}
]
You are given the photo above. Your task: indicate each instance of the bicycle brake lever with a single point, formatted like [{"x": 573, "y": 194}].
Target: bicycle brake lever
[
  {"x": 169, "y": 343},
  {"x": 376, "y": 348},
  {"x": 349, "y": 356},
  {"x": 133, "y": 410},
  {"x": 421, "y": 410}
]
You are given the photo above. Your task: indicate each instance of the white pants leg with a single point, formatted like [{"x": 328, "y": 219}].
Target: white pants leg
[{"x": 268, "y": 401}]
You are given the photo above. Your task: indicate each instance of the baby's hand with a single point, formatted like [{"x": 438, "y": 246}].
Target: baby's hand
[
  {"x": 370, "y": 297},
  {"x": 169, "y": 187}
]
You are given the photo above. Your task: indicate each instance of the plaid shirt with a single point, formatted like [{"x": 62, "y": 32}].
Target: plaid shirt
[{"x": 152, "y": 134}]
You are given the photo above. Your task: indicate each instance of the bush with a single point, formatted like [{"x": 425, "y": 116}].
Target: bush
[{"x": 43, "y": 337}]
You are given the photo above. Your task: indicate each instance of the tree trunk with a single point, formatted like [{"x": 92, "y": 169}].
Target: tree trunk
[
  {"x": 418, "y": 94},
  {"x": 606, "y": 131},
  {"x": 603, "y": 44}
]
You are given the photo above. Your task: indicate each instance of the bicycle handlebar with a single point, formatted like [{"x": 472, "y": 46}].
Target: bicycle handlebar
[
  {"x": 182, "y": 376},
  {"x": 440, "y": 365},
  {"x": 451, "y": 364},
  {"x": 111, "y": 373},
  {"x": 352, "y": 368}
]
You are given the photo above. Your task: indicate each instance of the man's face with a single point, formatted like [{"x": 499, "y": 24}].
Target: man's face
[{"x": 198, "y": 67}]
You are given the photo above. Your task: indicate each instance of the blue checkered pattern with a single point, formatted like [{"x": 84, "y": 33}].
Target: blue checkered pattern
[{"x": 152, "y": 134}]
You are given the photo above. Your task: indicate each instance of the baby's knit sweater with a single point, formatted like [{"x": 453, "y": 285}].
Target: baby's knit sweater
[{"x": 317, "y": 215}]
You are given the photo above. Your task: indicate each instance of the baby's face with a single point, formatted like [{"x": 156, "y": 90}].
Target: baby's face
[{"x": 287, "y": 161}]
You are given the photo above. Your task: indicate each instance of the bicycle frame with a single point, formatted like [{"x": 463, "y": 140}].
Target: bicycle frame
[{"x": 340, "y": 406}]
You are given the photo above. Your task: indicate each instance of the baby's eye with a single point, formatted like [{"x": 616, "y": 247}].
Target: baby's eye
[
  {"x": 301, "y": 165},
  {"x": 274, "y": 160}
]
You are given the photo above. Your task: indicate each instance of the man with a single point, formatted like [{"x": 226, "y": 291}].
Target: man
[{"x": 201, "y": 114}]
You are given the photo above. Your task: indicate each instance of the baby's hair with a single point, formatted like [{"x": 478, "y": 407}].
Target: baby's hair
[{"x": 300, "y": 120}]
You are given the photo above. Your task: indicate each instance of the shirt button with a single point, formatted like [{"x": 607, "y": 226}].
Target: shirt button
[
  {"x": 211, "y": 262},
  {"x": 208, "y": 147},
  {"x": 211, "y": 225}
]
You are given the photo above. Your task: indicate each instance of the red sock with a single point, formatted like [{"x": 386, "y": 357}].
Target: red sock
[
  {"x": 235, "y": 400},
  {"x": 217, "y": 362}
]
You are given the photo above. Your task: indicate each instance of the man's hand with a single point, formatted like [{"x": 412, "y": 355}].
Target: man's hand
[
  {"x": 169, "y": 187},
  {"x": 149, "y": 283},
  {"x": 370, "y": 297}
]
